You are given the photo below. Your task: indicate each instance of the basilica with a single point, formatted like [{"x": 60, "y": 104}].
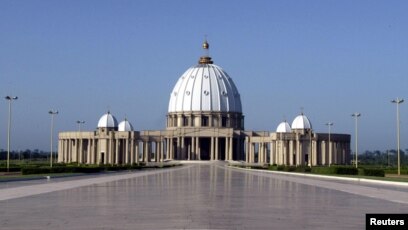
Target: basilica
[{"x": 205, "y": 122}]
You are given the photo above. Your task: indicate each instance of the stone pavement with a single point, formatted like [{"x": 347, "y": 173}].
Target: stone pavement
[{"x": 199, "y": 196}]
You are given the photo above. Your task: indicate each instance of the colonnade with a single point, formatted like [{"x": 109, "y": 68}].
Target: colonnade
[
  {"x": 110, "y": 151},
  {"x": 144, "y": 149},
  {"x": 121, "y": 148},
  {"x": 192, "y": 148},
  {"x": 296, "y": 152}
]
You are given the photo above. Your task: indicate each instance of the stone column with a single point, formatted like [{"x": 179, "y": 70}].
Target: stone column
[
  {"x": 64, "y": 149},
  {"x": 216, "y": 148},
  {"x": 230, "y": 148},
  {"x": 132, "y": 151},
  {"x": 252, "y": 153},
  {"x": 137, "y": 157},
  {"x": 158, "y": 153},
  {"x": 116, "y": 151},
  {"x": 66, "y": 153},
  {"x": 81, "y": 151},
  {"x": 126, "y": 161},
  {"x": 161, "y": 150},
  {"x": 167, "y": 148},
  {"x": 291, "y": 152},
  {"x": 198, "y": 148},
  {"x": 76, "y": 151},
  {"x": 212, "y": 152},
  {"x": 314, "y": 153},
  {"x": 178, "y": 153},
  {"x": 109, "y": 151},
  {"x": 193, "y": 149},
  {"x": 183, "y": 149},
  {"x": 272, "y": 157},
  {"x": 154, "y": 154},
  {"x": 171, "y": 149},
  {"x": 297, "y": 152},
  {"x": 247, "y": 150},
  {"x": 226, "y": 148},
  {"x": 330, "y": 153},
  {"x": 91, "y": 151},
  {"x": 146, "y": 151},
  {"x": 88, "y": 152}
]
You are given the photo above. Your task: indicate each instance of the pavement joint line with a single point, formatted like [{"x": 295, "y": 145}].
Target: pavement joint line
[{"x": 330, "y": 177}]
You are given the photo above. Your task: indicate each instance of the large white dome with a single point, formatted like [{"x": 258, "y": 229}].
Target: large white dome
[
  {"x": 205, "y": 87},
  {"x": 125, "y": 126},
  {"x": 301, "y": 122},
  {"x": 283, "y": 127},
  {"x": 107, "y": 121}
]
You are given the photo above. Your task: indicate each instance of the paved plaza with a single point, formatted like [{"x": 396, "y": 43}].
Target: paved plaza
[{"x": 195, "y": 196}]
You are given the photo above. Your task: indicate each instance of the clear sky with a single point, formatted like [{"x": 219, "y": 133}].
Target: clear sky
[{"x": 332, "y": 58}]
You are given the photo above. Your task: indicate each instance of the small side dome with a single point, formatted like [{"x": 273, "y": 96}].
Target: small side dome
[
  {"x": 301, "y": 122},
  {"x": 107, "y": 121},
  {"x": 283, "y": 127},
  {"x": 125, "y": 126}
]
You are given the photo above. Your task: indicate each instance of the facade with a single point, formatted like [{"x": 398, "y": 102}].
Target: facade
[{"x": 204, "y": 122}]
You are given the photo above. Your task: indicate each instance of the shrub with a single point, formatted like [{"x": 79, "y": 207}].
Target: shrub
[
  {"x": 342, "y": 170},
  {"x": 323, "y": 170},
  {"x": 34, "y": 170},
  {"x": 374, "y": 172},
  {"x": 303, "y": 169},
  {"x": 273, "y": 167},
  {"x": 280, "y": 168},
  {"x": 290, "y": 168},
  {"x": 11, "y": 169}
]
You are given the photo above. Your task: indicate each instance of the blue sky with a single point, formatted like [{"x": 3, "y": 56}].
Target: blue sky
[{"x": 332, "y": 58}]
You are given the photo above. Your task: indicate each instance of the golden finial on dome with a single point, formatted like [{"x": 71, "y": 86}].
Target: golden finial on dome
[
  {"x": 206, "y": 46},
  {"x": 206, "y": 59}
]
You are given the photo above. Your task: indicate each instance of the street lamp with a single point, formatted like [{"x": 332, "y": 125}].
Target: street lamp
[
  {"x": 330, "y": 152},
  {"x": 356, "y": 115},
  {"x": 311, "y": 148},
  {"x": 79, "y": 124},
  {"x": 398, "y": 101},
  {"x": 52, "y": 113},
  {"x": 10, "y": 99}
]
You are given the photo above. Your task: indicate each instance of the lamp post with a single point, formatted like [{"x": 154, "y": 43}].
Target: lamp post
[
  {"x": 356, "y": 115},
  {"x": 329, "y": 124},
  {"x": 79, "y": 124},
  {"x": 398, "y": 101},
  {"x": 52, "y": 113},
  {"x": 10, "y": 99},
  {"x": 311, "y": 148}
]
